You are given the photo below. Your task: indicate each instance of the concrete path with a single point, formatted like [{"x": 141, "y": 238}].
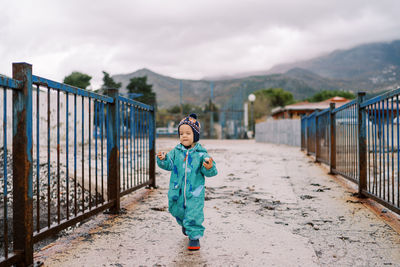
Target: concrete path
[{"x": 270, "y": 205}]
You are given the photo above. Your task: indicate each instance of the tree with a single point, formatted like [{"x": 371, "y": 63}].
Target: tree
[
  {"x": 277, "y": 96},
  {"x": 139, "y": 85},
  {"x": 324, "y": 95},
  {"x": 267, "y": 99},
  {"x": 109, "y": 83},
  {"x": 78, "y": 79}
]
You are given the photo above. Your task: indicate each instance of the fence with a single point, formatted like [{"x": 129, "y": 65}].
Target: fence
[
  {"x": 74, "y": 154},
  {"x": 279, "y": 132},
  {"x": 360, "y": 141}
]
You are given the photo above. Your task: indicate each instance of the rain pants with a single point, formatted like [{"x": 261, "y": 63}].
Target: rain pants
[{"x": 186, "y": 186}]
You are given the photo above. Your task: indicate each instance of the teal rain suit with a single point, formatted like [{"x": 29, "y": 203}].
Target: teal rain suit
[{"x": 186, "y": 186}]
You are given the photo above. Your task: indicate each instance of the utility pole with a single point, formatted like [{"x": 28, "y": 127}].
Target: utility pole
[
  {"x": 180, "y": 97},
  {"x": 211, "y": 110}
]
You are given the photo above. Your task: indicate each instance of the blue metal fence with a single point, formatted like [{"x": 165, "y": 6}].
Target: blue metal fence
[
  {"x": 6, "y": 183},
  {"x": 322, "y": 135},
  {"x": 311, "y": 133},
  {"x": 363, "y": 144},
  {"x": 346, "y": 122},
  {"x": 382, "y": 144},
  {"x": 68, "y": 163}
]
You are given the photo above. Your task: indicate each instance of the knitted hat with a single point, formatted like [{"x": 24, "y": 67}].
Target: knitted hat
[{"x": 192, "y": 121}]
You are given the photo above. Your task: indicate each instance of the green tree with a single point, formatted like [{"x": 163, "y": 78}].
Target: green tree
[
  {"x": 109, "y": 83},
  {"x": 325, "y": 94},
  {"x": 78, "y": 79},
  {"x": 267, "y": 99},
  {"x": 139, "y": 85},
  {"x": 277, "y": 96}
]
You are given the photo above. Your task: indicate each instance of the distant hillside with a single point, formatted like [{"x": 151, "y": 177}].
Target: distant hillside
[
  {"x": 301, "y": 83},
  {"x": 371, "y": 66}
]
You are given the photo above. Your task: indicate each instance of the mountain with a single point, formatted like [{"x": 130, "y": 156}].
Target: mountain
[
  {"x": 370, "y": 66},
  {"x": 301, "y": 83}
]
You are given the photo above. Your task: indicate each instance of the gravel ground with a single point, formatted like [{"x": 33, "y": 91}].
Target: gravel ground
[{"x": 270, "y": 205}]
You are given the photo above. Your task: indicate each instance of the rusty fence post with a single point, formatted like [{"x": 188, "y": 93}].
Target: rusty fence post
[
  {"x": 362, "y": 145},
  {"x": 22, "y": 165},
  {"x": 113, "y": 164},
  {"x": 332, "y": 139},
  {"x": 152, "y": 147}
]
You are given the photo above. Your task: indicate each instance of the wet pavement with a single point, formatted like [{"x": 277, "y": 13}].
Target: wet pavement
[{"x": 270, "y": 205}]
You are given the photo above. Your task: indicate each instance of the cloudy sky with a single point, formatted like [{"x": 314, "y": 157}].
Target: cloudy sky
[{"x": 188, "y": 39}]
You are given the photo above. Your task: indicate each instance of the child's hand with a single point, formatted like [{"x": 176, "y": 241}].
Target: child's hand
[
  {"x": 161, "y": 155},
  {"x": 208, "y": 163}
]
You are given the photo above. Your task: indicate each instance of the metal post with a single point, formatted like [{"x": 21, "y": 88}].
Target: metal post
[
  {"x": 362, "y": 145},
  {"x": 211, "y": 110},
  {"x": 308, "y": 134},
  {"x": 113, "y": 181},
  {"x": 332, "y": 139},
  {"x": 317, "y": 153},
  {"x": 152, "y": 147},
  {"x": 22, "y": 165},
  {"x": 180, "y": 97},
  {"x": 252, "y": 119}
]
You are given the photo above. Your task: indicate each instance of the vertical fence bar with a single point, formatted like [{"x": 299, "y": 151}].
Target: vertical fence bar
[
  {"x": 102, "y": 152},
  {"x": 75, "y": 166},
  {"x": 96, "y": 121},
  {"x": 5, "y": 192},
  {"x": 48, "y": 158},
  {"x": 317, "y": 137},
  {"x": 332, "y": 139},
  {"x": 37, "y": 159},
  {"x": 58, "y": 158},
  {"x": 83, "y": 154},
  {"x": 152, "y": 146},
  {"x": 67, "y": 152},
  {"x": 362, "y": 145},
  {"x": 22, "y": 164},
  {"x": 90, "y": 153},
  {"x": 122, "y": 112},
  {"x": 113, "y": 181}
]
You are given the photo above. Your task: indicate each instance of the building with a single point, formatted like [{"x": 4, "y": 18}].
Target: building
[{"x": 295, "y": 111}]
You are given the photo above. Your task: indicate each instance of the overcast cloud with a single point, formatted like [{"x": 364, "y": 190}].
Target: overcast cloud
[{"x": 184, "y": 39}]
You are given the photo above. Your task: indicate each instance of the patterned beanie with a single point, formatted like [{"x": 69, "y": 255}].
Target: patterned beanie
[{"x": 192, "y": 121}]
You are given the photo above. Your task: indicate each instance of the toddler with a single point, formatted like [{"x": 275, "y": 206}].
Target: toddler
[{"x": 188, "y": 163}]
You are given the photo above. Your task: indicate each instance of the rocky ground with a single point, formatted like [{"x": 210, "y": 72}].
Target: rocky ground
[
  {"x": 43, "y": 197},
  {"x": 270, "y": 205}
]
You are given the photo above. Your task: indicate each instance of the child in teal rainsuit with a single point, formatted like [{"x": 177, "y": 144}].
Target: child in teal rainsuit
[{"x": 189, "y": 163}]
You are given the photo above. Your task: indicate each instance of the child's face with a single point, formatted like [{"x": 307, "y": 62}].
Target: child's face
[{"x": 186, "y": 135}]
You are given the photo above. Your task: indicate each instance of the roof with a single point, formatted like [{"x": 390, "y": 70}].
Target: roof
[{"x": 305, "y": 105}]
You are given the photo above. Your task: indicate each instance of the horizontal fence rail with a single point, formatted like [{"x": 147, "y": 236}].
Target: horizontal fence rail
[
  {"x": 70, "y": 153},
  {"x": 360, "y": 141}
]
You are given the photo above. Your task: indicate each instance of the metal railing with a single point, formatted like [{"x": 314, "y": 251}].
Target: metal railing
[
  {"x": 381, "y": 116},
  {"x": 322, "y": 135},
  {"x": 346, "y": 125},
  {"x": 311, "y": 133},
  {"x": 67, "y": 159},
  {"x": 363, "y": 144}
]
